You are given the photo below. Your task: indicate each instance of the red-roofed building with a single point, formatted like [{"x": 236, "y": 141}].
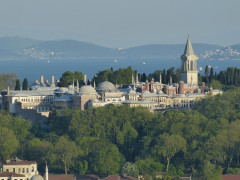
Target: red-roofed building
[
  {"x": 117, "y": 177},
  {"x": 60, "y": 177},
  {"x": 12, "y": 176},
  {"x": 230, "y": 177}
]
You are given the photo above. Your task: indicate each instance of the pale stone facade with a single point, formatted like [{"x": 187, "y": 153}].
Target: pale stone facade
[
  {"x": 189, "y": 72},
  {"x": 18, "y": 166}
]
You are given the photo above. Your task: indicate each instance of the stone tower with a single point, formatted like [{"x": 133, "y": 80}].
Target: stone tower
[{"x": 189, "y": 72}]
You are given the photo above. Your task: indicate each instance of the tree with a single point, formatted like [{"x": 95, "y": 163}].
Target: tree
[
  {"x": 65, "y": 151},
  {"x": 129, "y": 169},
  {"x": 8, "y": 143},
  {"x": 66, "y": 79},
  {"x": 148, "y": 166},
  {"x": 211, "y": 75},
  {"x": 17, "y": 86},
  {"x": 210, "y": 171},
  {"x": 25, "y": 84},
  {"x": 207, "y": 74},
  {"x": 170, "y": 145},
  {"x": 81, "y": 167},
  {"x": 7, "y": 80},
  {"x": 164, "y": 77},
  {"x": 144, "y": 77},
  {"x": 37, "y": 150},
  {"x": 105, "y": 158}
]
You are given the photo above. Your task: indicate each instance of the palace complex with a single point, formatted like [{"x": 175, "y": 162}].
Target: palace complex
[{"x": 36, "y": 104}]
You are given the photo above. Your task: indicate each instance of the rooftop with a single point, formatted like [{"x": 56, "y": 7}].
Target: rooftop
[
  {"x": 18, "y": 162},
  {"x": 10, "y": 174}
]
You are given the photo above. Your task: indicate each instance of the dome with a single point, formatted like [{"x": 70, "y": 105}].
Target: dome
[
  {"x": 87, "y": 89},
  {"x": 106, "y": 86},
  {"x": 37, "y": 177}
]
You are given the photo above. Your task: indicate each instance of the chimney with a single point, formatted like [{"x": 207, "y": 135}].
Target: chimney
[
  {"x": 211, "y": 91},
  {"x": 147, "y": 85},
  {"x": 52, "y": 79},
  {"x": 203, "y": 87},
  {"x": 41, "y": 80},
  {"x": 8, "y": 90},
  {"x": 181, "y": 87},
  {"x": 85, "y": 79}
]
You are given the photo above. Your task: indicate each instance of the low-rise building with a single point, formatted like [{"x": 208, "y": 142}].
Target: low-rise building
[{"x": 22, "y": 169}]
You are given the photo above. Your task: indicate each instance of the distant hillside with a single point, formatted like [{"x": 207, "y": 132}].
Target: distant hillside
[
  {"x": 25, "y": 48},
  {"x": 16, "y": 42},
  {"x": 230, "y": 52},
  {"x": 63, "y": 49},
  {"x": 166, "y": 50}
]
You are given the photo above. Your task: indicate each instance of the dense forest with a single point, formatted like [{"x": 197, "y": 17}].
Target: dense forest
[{"x": 203, "y": 142}]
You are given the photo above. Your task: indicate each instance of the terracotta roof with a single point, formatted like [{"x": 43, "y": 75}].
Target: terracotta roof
[
  {"x": 60, "y": 177},
  {"x": 10, "y": 174},
  {"x": 18, "y": 162},
  {"x": 230, "y": 177},
  {"x": 117, "y": 177},
  {"x": 87, "y": 177}
]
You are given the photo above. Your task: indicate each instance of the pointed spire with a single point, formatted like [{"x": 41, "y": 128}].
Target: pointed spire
[
  {"x": 188, "y": 48},
  {"x": 137, "y": 77},
  {"x": 170, "y": 79},
  {"x": 73, "y": 84},
  {"x": 46, "y": 171},
  {"x": 77, "y": 86},
  {"x": 132, "y": 79},
  {"x": 8, "y": 90},
  {"x": 94, "y": 84}
]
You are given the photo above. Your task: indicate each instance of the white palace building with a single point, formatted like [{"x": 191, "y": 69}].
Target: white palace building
[{"x": 36, "y": 104}]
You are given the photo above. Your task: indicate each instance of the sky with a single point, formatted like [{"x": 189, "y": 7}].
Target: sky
[{"x": 123, "y": 23}]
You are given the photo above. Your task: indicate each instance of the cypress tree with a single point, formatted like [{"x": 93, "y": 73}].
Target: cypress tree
[
  {"x": 206, "y": 74},
  {"x": 17, "y": 86},
  {"x": 164, "y": 77},
  {"x": 235, "y": 77},
  {"x": 211, "y": 74},
  {"x": 25, "y": 84},
  {"x": 144, "y": 77}
]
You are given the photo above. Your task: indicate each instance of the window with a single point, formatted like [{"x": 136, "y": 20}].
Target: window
[
  {"x": 23, "y": 170},
  {"x": 32, "y": 169},
  {"x": 13, "y": 169},
  {"x": 27, "y": 170},
  {"x": 19, "y": 170},
  {"x": 7, "y": 170}
]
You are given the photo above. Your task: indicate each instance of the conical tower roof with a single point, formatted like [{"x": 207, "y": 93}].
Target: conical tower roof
[{"x": 188, "y": 48}]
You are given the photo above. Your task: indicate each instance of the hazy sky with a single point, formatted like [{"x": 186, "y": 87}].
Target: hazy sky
[{"x": 123, "y": 23}]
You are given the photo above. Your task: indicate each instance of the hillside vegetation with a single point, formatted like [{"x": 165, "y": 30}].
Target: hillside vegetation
[{"x": 201, "y": 142}]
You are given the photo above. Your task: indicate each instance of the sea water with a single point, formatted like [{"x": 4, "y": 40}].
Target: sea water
[{"x": 33, "y": 69}]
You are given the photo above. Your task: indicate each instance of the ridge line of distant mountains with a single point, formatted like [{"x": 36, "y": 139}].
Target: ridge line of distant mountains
[{"x": 18, "y": 47}]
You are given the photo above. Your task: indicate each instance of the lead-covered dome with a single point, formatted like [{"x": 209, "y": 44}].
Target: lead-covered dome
[
  {"x": 37, "y": 177},
  {"x": 87, "y": 89},
  {"x": 106, "y": 86}
]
